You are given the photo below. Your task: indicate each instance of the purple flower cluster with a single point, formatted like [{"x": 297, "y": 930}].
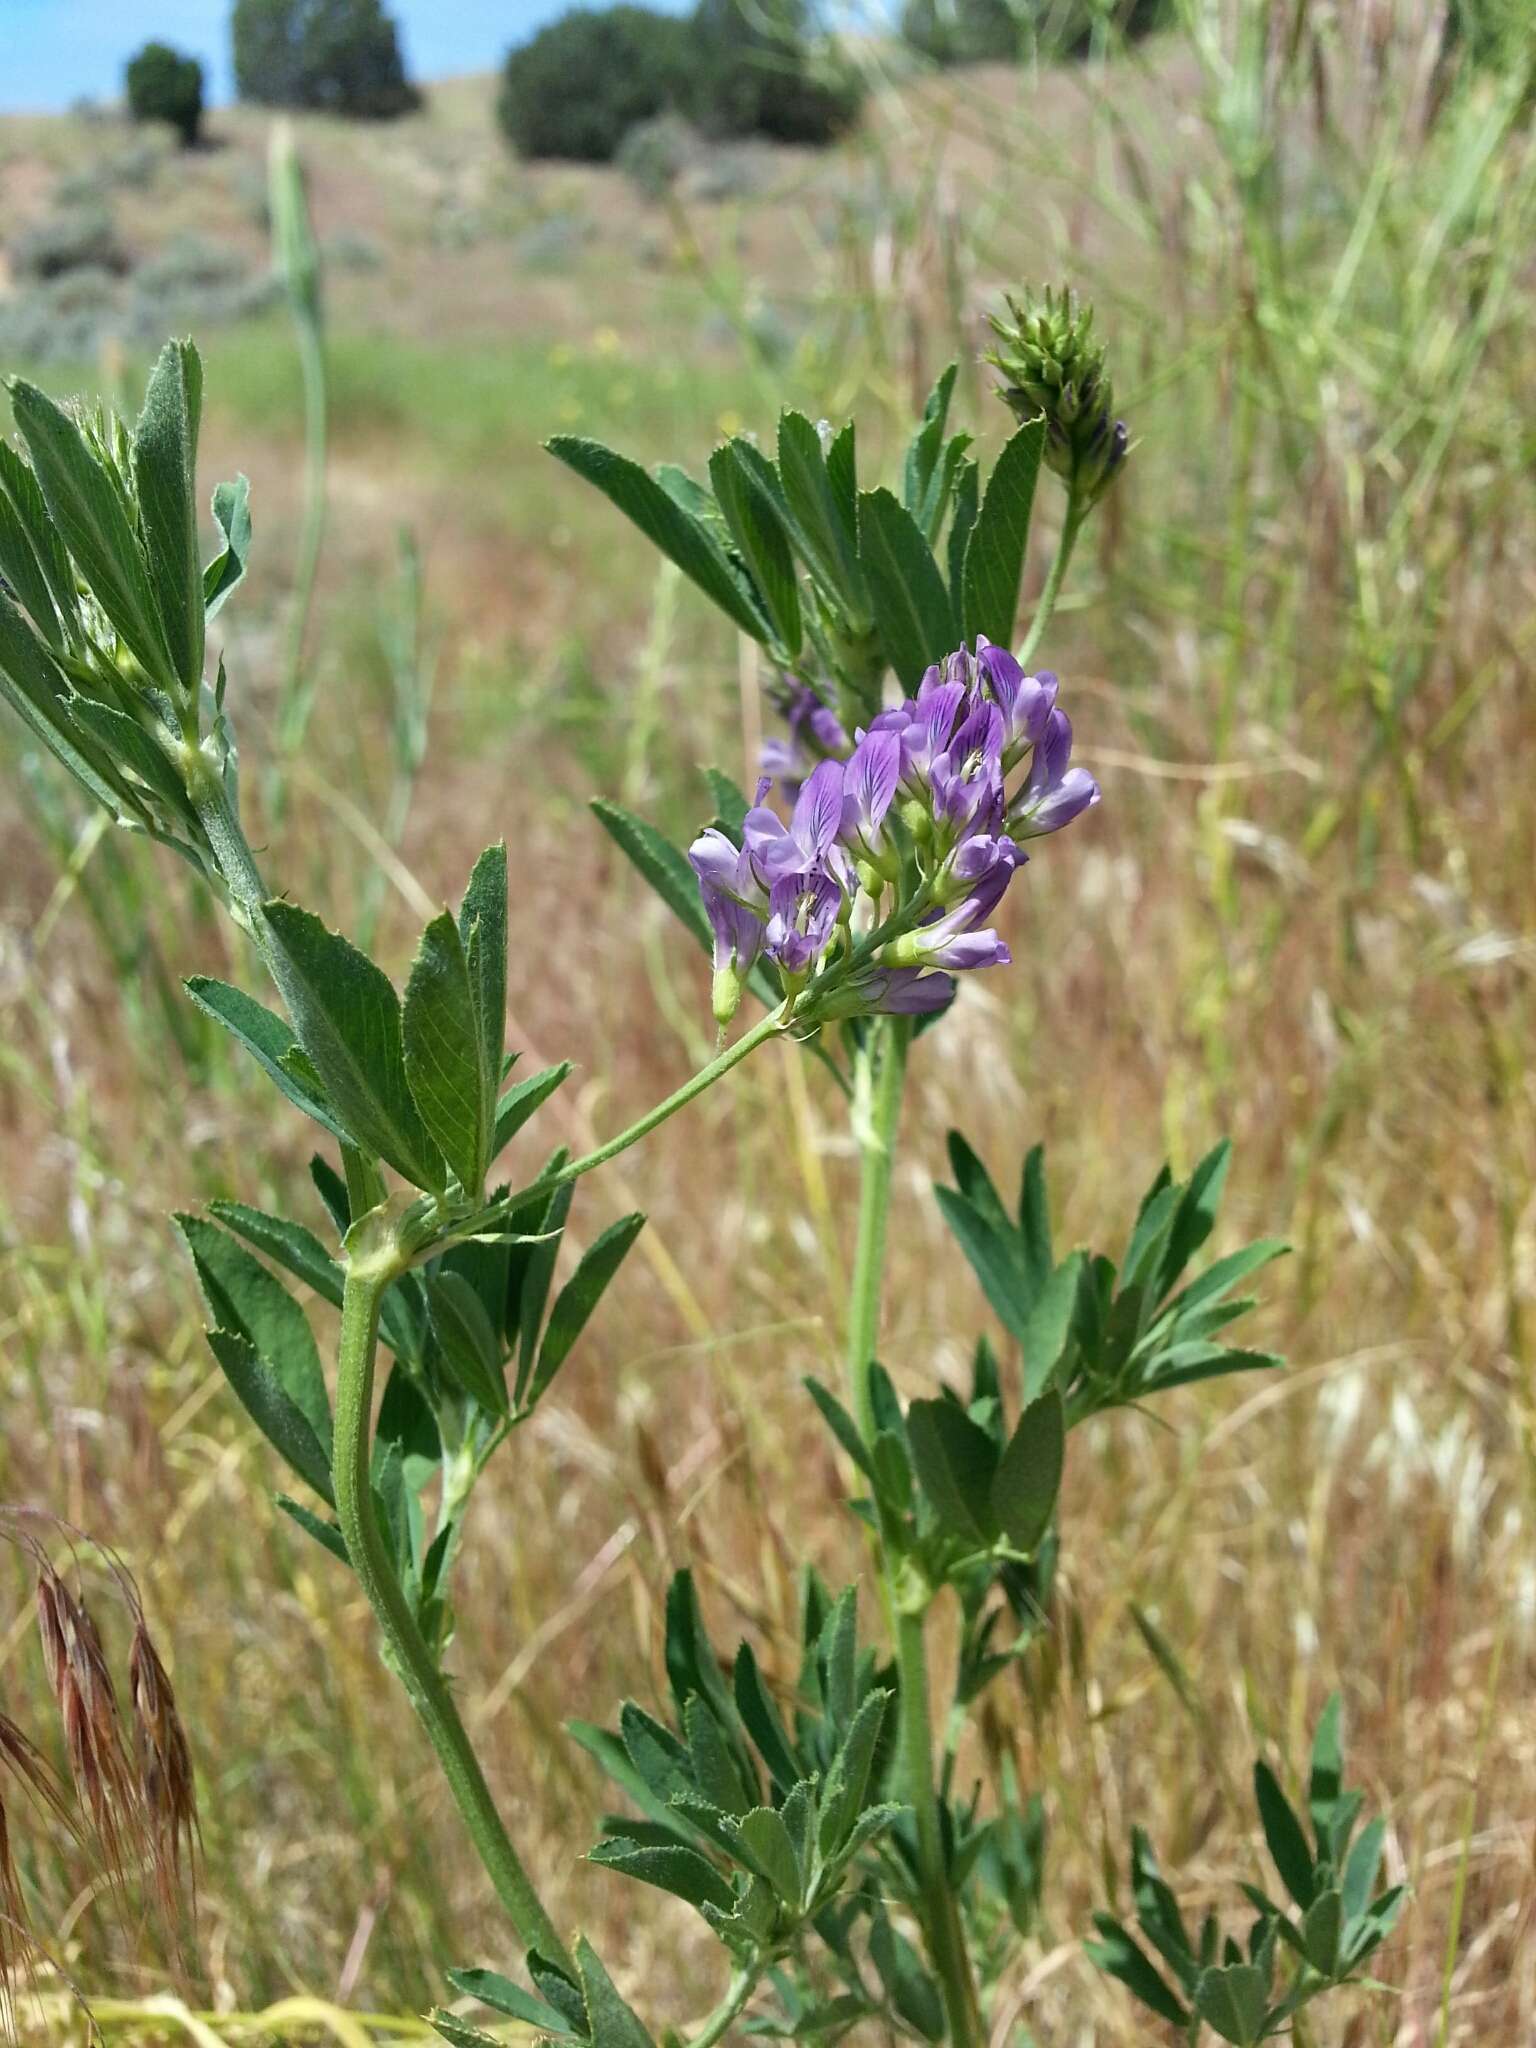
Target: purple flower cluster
[{"x": 882, "y": 885}]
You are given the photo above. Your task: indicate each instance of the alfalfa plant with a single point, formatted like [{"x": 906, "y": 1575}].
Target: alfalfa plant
[{"x": 815, "y": 1820}]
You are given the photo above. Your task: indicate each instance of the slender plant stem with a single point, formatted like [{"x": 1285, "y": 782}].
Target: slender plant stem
[
  {"x": 877, "y": 1101},
  {"x": 719, "y": 2023},
  {"x": 1071, "y": 526},
  {"x": 877, "y": 1104},
  {"x": 706, "y": 1077},
  {"x": 367, "y": 1279},
  {"x": 946, "y": 1941},
  {"x": 298, "y": 691}
]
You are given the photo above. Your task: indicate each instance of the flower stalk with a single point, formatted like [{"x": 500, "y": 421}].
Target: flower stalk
[
  {"x": 369, "y": 1275},
  {"x": 878, "y": 1094}
]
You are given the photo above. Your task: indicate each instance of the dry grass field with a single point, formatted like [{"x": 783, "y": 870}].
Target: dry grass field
[{"x": 1300, "y": 663}]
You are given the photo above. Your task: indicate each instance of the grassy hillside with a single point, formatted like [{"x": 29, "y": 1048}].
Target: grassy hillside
[{"x": 1302, "y": 913}]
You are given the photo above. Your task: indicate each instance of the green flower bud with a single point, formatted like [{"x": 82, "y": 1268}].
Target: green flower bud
[
  {"x": 1053, "y": 365},
  {"x": 725, "y": 994}
]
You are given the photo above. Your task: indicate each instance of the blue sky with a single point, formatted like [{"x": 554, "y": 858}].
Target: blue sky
[{"x": 53, "y": 52}]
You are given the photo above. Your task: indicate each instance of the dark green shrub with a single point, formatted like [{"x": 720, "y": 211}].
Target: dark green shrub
[
  {"x": 961, "y": 31},
  {"x": 1049, "y": 31},
  {"x": 76, "y": 238},
  {"x": 163, "y": 85},
  {"x": 655, "y": 153},
  {"x": 337, "y": 56},
  {"x": 578, "y": 87},
  {"x": 758, "y": 72}
]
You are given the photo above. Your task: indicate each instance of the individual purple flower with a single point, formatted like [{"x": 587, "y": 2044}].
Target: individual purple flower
[
  {"x": 1053, "y": 793},
  {"x": 869, "y": 789},
  {"x": 1025, "y": 701},
  {"x": 948, "y": 942},
  {"x": 803, "y": 845},
  {"x": 978, "y": 873},
  {"x": 736, "y": 908},
  {"x": 887, "y": 992},
  {"x": 967, "y": 778},
  {"x": 803, "y": 911},
  {"x": 816, "y": 723},
  {"x": 815, "y": 733}
]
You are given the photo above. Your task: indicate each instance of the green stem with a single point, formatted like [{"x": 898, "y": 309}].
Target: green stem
[
  {"x": 1071, "y": 526},
  {"x": 877, "y": 1101},
  {"x": 946, "y": 1941},
  {"x": 367, "y": 1279},
  {"x": 297, "y": 694},
  {"x": 727, "y": 2011},
  {"x": 706, "y": 1077}
]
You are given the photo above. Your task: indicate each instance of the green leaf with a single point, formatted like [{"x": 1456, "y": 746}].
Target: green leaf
[
  {"x": 579, "y": 1297},
  {"x": 483, "y": 930},
  {"x": 326, "y": 1534},
  {"x": 1195, "y": 1217},
  {"x": 683, "y": 1872},
  {"x": 272, "y": 1409},
  {"x": 841, "y": 1424},
  {"x": 1282, "y": 1831},
  {"x": 923, "y": 450},
  {"x": 519, "y": 1103},
  {"x": 766, "y": 1841},
  {"x": 714, "y": 1768},
  {"x": 665, "y": 523},
  {"x": 955, "y": 1461},
  {"x": 1325, "y": 1782},
  {"x": 1360, "y": 1868},
  {"x": 1121, "y": 1956},
  {"x": 290, "y": 1244},
  {"x": 911, "y": 1990},
  {"x": 1035, "y": 1220},
  {"x": 1234, "y": 2002},
  {"x": 445, "y": 1066},
  {"x": 232, "y": 512},
  {"x": 267, "y": 1038},
  {"x": 89, "y": 508},
  {"x": 843, "y": 475},
  {"x": 132, "y": 748},
  {"x": 691, "y": 1663},
  {"x": 913, "y": 615},
  {"x": 501, "y": 1995},
  {"x": 1321, "y": 1930},
  {"x": 459, "y": 2033},
  {"x": 22, "y": 570},
  {"x": 994, "y": 555},
  {"x": 347, "y": 1017},
  {"x": 36, "y": 691},
  {"x": 243, "y": 1297},
  {"x": 610, "y": 2022},
  {"x": 1048, "y": 1327},
  {"x": 762, "y": 1720},
  {"x": 1028, "y": 1476},
  {"x": 467, "y": 1340},
  {"x": 842, "y": 1796},
  {"x": 759, "y": 533},
  {"x": 33, "y": 559},
  {"x": 730, "y": 804},
  {"x": 663, "y": 865},
  {"x": 165, "y": 475},
  {"x": 961, "y": 526},
  {"x": 822, "y": 528},
  {"x": 532, "y": 1270},
  {"x": 993, "y": 1255}
]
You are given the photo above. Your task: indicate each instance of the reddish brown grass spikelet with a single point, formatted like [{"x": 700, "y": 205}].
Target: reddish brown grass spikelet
[
  {"x": 166, "y": 1786},
  {"x": 99, "y": 1762}
]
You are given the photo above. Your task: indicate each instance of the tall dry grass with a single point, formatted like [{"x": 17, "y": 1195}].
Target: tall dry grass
[{"x": 1302, "y": 913}]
